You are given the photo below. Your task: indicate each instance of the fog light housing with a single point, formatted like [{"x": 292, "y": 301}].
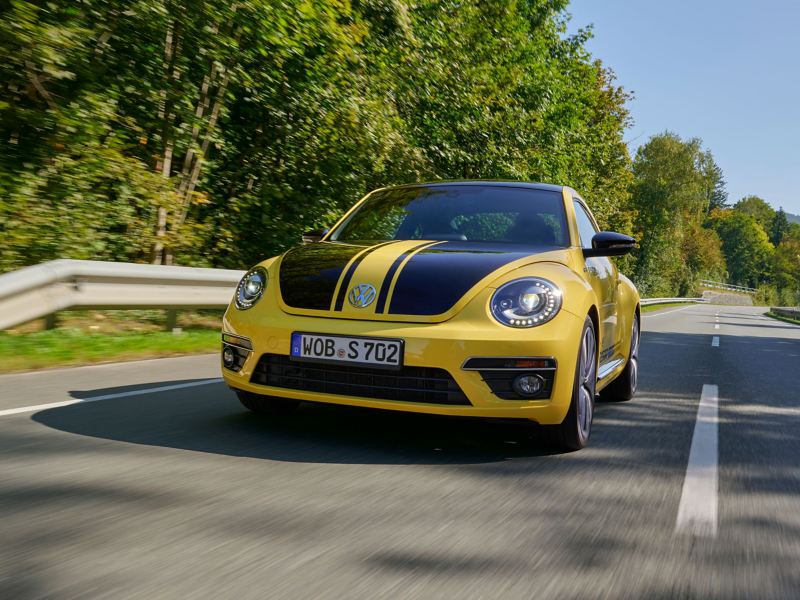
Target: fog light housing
[
  {"x": 528, "y": 385},
  {"x": 228, "y": 357}
]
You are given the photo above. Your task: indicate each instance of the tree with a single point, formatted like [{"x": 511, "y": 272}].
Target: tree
[
  {"x": 714, "y": 182},
  {"x": 69, "y": 185},
  {"x": 670, "y": 195},
  {"x": 757, "y": 208},
  {"x": 779, "y": 227},
  {"x": 703, "y": 258},
  {"x": 747, "y": 249},
  {"x": 173, "y": 131},
  {"x": 786, "y": 271},
  {"x": 529, "y": 104}
]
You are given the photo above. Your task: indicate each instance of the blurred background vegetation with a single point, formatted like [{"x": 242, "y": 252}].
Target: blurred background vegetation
[{"x": 213, "y": 132}]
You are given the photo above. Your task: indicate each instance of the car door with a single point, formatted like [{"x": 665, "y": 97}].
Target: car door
[{"x": 602, "y": 275}]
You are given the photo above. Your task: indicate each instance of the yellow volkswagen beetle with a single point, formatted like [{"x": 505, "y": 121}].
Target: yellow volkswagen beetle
[{"x": 479, "y": 299}]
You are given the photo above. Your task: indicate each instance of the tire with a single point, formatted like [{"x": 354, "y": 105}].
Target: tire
[
  {"x": 267, "y": 405},
  {"x": 623, "y": 387},
  {"x": 574, "y": 431}
]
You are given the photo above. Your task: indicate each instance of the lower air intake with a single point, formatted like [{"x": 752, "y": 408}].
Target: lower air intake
[{"x": 425, "y": 385}]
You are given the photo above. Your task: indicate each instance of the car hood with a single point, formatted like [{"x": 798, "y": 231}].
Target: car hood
[{"x": 401, "y": 280}]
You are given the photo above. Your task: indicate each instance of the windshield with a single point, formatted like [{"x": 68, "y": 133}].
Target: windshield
[{"x": 459, "y": 212}]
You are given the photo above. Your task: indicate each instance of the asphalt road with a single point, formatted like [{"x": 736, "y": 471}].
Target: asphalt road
[{"x": 181, "y": 493}]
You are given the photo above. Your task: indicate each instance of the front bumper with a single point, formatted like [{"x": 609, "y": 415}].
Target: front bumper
[{"x": 445, "y": 345}]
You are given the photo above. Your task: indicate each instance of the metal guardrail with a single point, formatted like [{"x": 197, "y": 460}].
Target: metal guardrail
[
  {"x": 728, "y": 287},
  {"x": 45, "y": 289},
  {"x": 42, "y": 290},
  {"x": 789, "y": 313},
  {"x": 651, "y": 301}
]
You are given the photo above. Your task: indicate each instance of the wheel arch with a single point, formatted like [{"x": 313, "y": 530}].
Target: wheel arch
[{"x": 594, "y": 315}]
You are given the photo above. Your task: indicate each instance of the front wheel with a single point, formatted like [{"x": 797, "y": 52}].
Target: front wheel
[
  {"x": 267, "y": 405},
  {"x": 573, "y": 432}
]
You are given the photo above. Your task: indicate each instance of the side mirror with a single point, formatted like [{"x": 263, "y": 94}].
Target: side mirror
[
  {"x": 313, "y": 236},
  {"x": 610, "y": 243}
]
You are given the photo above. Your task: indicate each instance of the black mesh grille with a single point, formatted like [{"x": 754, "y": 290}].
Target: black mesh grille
[{"x": 410, "y": 384}]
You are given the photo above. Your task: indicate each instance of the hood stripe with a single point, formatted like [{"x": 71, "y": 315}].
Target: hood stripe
[
  {"x": 387, "y": 281},
  {"x": 348, "y": 275},
  {"x": 436, "y": 278},
  {"x": 308, "y": 274}
]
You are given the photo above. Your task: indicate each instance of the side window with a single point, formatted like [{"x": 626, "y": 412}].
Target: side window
[{"x": 586, "y": 228}]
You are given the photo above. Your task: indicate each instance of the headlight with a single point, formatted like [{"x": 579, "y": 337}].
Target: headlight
[
  {"x": 526, "y": 302},
  {"x": 250, "y": 288}
]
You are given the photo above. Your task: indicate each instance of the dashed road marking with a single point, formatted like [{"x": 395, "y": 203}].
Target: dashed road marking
[
  {"x": 697, "y": 512},
  {"x": 153, "y": 390},
  {"x": 716, "y": 326},
  {"x": 715, "y": 342}
]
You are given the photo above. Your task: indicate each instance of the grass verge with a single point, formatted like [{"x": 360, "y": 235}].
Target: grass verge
[
  {"x": 64, "y": 347},
  {"x": 781, "y": 318}
]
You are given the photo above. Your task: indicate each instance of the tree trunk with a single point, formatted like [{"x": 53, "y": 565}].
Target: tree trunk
[
  {"x": 160, "y": 253},
  {"x": 186, "y": 192}
]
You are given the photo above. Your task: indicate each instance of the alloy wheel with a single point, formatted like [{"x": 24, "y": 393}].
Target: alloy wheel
[
  {"x": 588, "y": 382},
  {"x": 634, "y": 358}
]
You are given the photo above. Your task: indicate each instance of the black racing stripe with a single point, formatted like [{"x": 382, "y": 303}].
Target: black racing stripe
[
  {"x": 349, "y": 274},
  {"x": 436, "y": 278},
  {"x": 387, "y": 281},
  {"x": 309, "y": 274}
]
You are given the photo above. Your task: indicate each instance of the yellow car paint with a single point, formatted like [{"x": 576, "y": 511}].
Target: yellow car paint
[{"x": 465, "y": 330}]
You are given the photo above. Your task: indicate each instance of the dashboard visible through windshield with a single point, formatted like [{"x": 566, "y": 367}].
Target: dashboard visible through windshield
[{"x": 488, "y": 213}]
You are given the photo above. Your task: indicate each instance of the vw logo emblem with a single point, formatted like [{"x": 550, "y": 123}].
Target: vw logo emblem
[{"x": 362, "y": 295}]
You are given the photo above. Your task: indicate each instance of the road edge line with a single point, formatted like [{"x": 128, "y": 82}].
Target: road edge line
[{"x": 164, "y": 388}]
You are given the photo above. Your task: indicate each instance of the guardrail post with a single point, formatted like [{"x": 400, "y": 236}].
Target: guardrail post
[
  {"x": 51, "y": 321},
  {"x": 172, "y": 320}
]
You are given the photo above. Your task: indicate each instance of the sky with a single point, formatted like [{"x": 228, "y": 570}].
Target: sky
[{"x": 724, "y": 71}]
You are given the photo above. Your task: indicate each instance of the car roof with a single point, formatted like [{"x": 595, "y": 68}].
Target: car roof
[{"x": 483, "y": 182}]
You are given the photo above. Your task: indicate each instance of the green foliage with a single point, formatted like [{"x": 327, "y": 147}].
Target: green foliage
[
  {"x": 779, "y": 227},
  {"x": 746, "y": 246},
  {"x": 786, "y": 271},
  {"x": 758, "y": 208},
  {"x": 703, "y": 258},
  {"x": 671, "y": 192},
  {"x": 714, "y": 182},
  {"x": 211, "y": 132},
  {"x": 766, "y": 295}
]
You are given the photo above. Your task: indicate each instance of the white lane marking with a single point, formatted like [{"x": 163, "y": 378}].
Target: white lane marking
[
  {"x": 716, "y": 326},
  {"x": 697, "y": 512},
  {"x": 163, "y": 388},
  {"x": 715, "y": 342},
  {"x": 658, "y": 314},
  {"x": 135, "y": 363}
]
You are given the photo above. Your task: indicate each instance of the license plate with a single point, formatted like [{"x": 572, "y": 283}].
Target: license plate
[{"x": 380, "y": 352}]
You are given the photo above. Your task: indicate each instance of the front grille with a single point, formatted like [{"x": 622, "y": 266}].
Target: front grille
[{"x": 426, "y": 385}]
